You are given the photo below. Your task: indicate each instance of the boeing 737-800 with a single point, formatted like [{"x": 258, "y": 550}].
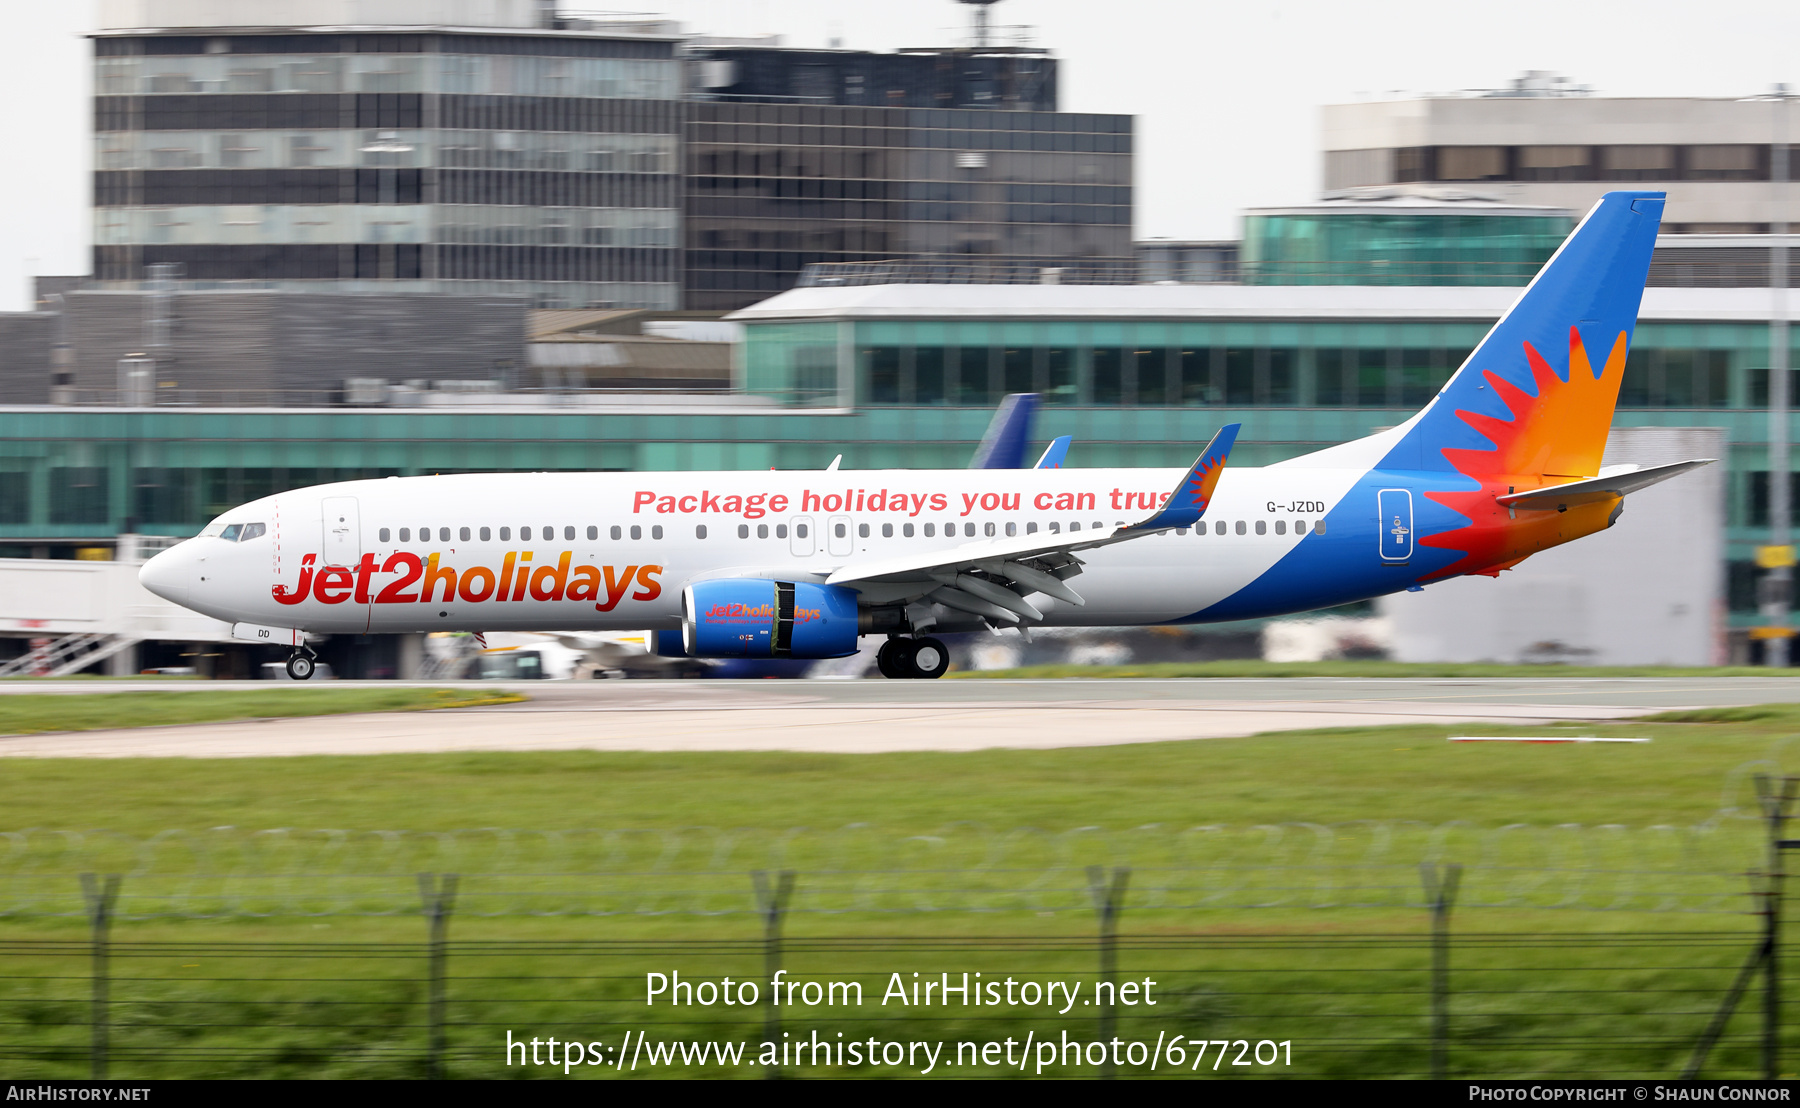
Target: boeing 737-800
[{"x": 1503, "y": 462}]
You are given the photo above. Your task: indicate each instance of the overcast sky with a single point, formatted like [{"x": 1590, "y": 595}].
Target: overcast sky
[{"x": 1226, "y": 95}]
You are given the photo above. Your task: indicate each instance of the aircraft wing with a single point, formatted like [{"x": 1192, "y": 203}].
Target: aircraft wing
[
  {"x": 1013, "y": 568},
  {"x": 1603, "y": 487}
]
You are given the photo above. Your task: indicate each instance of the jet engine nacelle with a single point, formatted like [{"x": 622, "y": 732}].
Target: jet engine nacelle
[{"x": 753, "y": 618}]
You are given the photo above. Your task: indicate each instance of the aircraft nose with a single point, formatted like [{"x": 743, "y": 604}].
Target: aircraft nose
[{"x": 169, "y": 574}]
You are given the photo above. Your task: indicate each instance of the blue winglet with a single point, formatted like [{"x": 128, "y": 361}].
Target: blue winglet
[
  {"x": 1188, "y": 502},
  {"x": 1003, "y": 446},
  {"x": 1055, "y": 453}
]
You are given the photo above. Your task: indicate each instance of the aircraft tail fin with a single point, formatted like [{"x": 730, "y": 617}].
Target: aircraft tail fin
[
  {"x": 1054, "y": 454},
  {"x": 1536, "y": 398},
  {"x": 1003, "y": 446}
]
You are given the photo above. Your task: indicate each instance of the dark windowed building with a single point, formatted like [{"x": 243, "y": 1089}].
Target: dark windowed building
[
  {"x": 1008, "y": 77},
  {"x": 979, "y": 194},
  {"x": 559, "y": 158},
  {"x": 954, "y": 160},
  {"x": 532, "y": 156}
]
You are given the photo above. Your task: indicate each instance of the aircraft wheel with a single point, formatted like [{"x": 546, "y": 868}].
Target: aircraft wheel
[
  {"x": 893, "y": 658},
  {"x": 929, "y": 658},
  {"x": 300, "y": 666}
]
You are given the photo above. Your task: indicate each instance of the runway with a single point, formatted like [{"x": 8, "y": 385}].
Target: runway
[{"x": 888, "y": 716}]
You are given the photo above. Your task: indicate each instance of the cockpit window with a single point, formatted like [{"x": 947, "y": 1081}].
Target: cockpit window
[{"x": 234, "y": 532}]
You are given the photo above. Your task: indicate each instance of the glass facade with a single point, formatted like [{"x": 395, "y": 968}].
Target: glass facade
[
  {"x": 772, "y": 188},
  {"x": 1622, "y": 163},
  {"x": 1012, "y": 78},
  {"x": 545, "y": 166},
  {"x": 795, "y": 363},
  {"x": 1145, "y": 392},
  {"x": 1211, "y": 364},
  {"x": 1399, "y": 248},
  {"x": 885, "y": 394},
  {"x": 455, "y": 69}
]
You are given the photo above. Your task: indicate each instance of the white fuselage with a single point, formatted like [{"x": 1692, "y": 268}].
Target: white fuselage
[{"x": 601, "y": 551}]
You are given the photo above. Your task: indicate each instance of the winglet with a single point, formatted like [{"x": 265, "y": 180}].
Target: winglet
[
  {"x": 1003, "y": 446},
  {"x": 1188, "y": 502},
  {"x": 1055, "y": 453}
]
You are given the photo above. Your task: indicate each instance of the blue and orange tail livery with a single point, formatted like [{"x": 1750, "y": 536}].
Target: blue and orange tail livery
[
  {"x": 1530, "y": 408},
  {"x": 1533, "y": 404},
  {"x": 1537, "y": 396}
]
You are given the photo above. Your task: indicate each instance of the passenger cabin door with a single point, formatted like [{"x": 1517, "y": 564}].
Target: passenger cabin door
[
  {"x": 1395, "y": 529},
  {"x": 343, "y": 531},
  {"x": 343, "y": 547},
  {"x": 801, "y": 539},
  {"x": 838, "y": 539}
]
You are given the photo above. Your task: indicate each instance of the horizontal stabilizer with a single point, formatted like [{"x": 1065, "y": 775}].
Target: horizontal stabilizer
[{"x": 1559, "y": 497}]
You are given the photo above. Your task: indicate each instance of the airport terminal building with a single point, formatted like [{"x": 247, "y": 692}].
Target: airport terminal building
[
  {"x": 900, "y": 375},
  {"x": 984, "y": 252}
]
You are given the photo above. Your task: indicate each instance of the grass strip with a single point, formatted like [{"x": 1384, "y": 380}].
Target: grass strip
[
  {"x": 1684, "y": 776},
  {"x": 32, "y": 713}
]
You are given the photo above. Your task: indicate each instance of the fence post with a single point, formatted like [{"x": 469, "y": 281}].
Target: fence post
[
  {"x": 100, "y": 899},
  {"x": 1440, "y": 894},
  {"x": 1109, "y": 901},
  {"x": 439, "y": 896},
  {"x": 771, "y": 902},
  {"x": 1777, "y": 806},
  {"x": 1777, "y": 809}
]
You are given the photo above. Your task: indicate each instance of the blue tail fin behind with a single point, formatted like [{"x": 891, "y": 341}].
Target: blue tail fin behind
[{"x": 1003, "y": 446}]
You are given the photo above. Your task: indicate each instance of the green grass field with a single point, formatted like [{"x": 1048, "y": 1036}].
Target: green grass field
[
  {"x": 1624, "y": 993},
  {"x": 30, "y": 713},
  {"x": 1323, "y": 776}
]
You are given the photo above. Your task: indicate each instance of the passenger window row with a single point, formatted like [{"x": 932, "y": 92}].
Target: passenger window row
[
  {"x": 486, "y": 534},
  {"x": 906, "y": 530},
  {"x": 1262, "y": 527},
  {"x": 247, "y": 531}
]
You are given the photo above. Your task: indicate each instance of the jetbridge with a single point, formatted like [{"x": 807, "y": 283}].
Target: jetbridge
[{"x": 78, "y": 614}]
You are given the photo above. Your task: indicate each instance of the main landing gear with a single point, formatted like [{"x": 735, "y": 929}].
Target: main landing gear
[
  {"x": 922, "y": 658},
  {"x": 301, "y": 663}
]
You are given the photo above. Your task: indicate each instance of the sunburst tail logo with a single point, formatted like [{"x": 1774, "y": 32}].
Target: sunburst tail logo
[
  {"x": 1190, "y": 499},
  {"x": 1532, "y": 405},
  {"x": 1555, "y": 433}
]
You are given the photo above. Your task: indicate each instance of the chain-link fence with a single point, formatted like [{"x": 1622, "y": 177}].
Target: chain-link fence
[
  {"x": 1386, "y": 948},
  {"x": 226, "y": 872}
]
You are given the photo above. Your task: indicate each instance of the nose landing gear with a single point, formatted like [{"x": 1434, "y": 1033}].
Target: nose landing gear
[
  {"x": 913, "y": 658},
  {"x": 301, "y": 663}
]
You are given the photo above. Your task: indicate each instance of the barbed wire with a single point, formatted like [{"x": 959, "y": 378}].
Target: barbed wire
[
  {"x": 1354, "y": 1003},
  {"x": 860, "y": 868}
]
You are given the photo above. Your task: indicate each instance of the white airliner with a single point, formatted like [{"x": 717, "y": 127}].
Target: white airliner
[{"x": 1503, "y": 462}]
